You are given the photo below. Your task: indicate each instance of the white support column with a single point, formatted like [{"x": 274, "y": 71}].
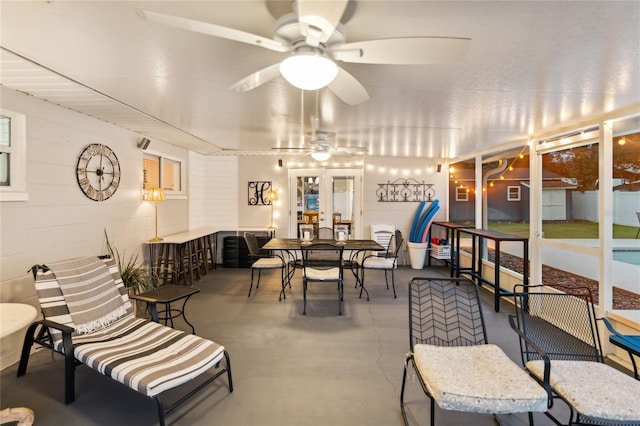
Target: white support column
[
  {"x": 535, "y": 215},
  {"x": 605, "y": 216},
  {"x": 479, "y": 194}
]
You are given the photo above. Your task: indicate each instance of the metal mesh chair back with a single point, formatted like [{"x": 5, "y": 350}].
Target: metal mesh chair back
[
  {"x": 445, "y": 312},
  {"x": 252, "y": 243},
  {"x": 321, "y": 256},
  {"x": 562, "y": 325}
]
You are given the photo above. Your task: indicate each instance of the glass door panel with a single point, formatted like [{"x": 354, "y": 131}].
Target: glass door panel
[{"x": 325, "y": 198}]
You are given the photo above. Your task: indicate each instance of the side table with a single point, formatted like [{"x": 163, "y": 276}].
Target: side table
[{"x": 166, "y": 295}]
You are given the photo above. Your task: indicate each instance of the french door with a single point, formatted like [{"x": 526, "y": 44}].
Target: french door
[{"x": 325, "y": 197}]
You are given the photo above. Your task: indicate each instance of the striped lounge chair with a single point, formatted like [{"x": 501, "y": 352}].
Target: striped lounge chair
[{"x": 89, "y": 319}]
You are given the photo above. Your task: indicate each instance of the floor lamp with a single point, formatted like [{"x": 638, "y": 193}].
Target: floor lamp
[
  {"x": 155, "y": 195},
  {"x": 272, "y": 195}
]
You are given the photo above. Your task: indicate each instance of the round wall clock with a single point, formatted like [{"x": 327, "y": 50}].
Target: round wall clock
[{"x": 98, "y": 172}]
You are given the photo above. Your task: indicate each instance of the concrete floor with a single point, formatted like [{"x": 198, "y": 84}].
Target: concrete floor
[{"x": 288, "y": 369}]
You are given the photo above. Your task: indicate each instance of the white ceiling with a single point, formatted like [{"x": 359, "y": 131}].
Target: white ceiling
[{"x": 531, "y": 67}]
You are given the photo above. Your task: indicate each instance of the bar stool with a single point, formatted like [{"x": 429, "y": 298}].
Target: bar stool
[
  {"x": 211, "y": 247},
  {"x": 202, "y": 255},
  {"x": 168, "y": 265},
  {"x": 190, "y": 261}
]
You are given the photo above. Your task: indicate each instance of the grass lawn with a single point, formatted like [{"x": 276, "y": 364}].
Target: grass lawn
[{"x": 577, "y": 229}]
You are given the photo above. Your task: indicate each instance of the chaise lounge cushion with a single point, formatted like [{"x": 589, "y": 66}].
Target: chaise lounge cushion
[
  {"x": 480, "y": 379},
  {"x": 594, "y": 389},
  {"x": 147, "y": 356}
]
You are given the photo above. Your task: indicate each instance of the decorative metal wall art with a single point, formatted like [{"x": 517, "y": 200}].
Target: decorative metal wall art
[
  {"x": 258, "y": 191},
  {"x": 405, "y": 191}
]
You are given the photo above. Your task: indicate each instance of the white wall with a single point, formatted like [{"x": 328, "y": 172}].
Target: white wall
[{"x": 213, "y": 188}]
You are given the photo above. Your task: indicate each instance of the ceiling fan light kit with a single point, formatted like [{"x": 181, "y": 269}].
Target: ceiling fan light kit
[
  {"x": 320, "y": 155},
  {"x": 309, "y": 70}
]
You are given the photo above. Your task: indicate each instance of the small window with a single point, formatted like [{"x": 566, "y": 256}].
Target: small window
[
  {"x": 462, "y": 194},
  {"x": 158, "y": 169},
  {"x": 513, "y": 193},
  {"x": 13, "y": 185},
  {"x": 170, "y": 175}
]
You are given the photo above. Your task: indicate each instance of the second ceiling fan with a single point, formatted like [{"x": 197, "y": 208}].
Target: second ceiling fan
[{"x": 314, "y": 34}]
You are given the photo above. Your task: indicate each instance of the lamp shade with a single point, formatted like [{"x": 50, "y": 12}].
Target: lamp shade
[
  {"x": 308, "y": 70},
  {"x": 272, "y": 195},
  {"x": 320, "y": 155},
  {"x": 155, "y": 194}
]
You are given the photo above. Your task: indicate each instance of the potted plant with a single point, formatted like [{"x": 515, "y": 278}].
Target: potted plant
[{"x": 135, "y": 275}]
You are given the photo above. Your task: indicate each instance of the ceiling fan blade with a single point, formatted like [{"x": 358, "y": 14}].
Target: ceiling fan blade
[
  {"x": 318, "y": 19},
  {"x": 346, "y": 87},
  {"x": 353, "y": 149},
  {"x": 256, "y": 79},
  {"x": 214, "y": 30},
  {"x": 405, "y": 51}
]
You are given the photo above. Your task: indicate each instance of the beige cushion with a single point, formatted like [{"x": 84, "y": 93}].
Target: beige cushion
[
  {"x": 322, "y": 274},
  {"x": 379, "y": 262},
  {"x": 594, "y": 389},
  {"x": 268, "y": 263},
  {"x": 479, "y": 379}
]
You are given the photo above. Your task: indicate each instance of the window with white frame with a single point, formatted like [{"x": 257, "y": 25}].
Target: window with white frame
[
  {"x": 462, "y": 194},
  {"x": 513, "y": 193},
  {"x": 162, "y": 172},
  {"x": 13, "y": 186}
]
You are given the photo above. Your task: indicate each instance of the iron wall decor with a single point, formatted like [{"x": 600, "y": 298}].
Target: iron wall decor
[
  {"x": 258, "y": 191},
  {"x": 405, "y": 191}
]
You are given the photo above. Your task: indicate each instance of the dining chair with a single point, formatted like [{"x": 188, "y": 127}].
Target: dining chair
[
  {"x": 322, "y": 263},
  {"x": 386, "y": 262},
  {"x": 454, "y": 363},
  {"x": 261, "y": 260}
]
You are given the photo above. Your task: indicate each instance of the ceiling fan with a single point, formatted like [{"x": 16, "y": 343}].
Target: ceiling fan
[
  {"x": 322, "y": 147},
  {"x": 314, "y": 33}
]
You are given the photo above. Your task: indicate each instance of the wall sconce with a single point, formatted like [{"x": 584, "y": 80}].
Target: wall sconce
[
  {"x": 155, "y": 195},
  {"x": 439, "y": 168},
  {"x": 272, "y": 196}
]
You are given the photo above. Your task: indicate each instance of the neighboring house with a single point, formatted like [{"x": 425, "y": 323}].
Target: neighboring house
[{"x": 508, "y": 199}]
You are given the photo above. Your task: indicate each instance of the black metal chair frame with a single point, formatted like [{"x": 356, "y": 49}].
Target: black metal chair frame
[
  {"x": 322, "y": 257},
  {"x": 442, "y": 312},
  {"x": 547, "y": 323},
  {"x": 393, "y": 248},
  {"x": 255, "y": 254}
]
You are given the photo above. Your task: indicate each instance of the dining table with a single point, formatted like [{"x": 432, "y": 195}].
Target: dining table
[{"x": 353, "y": 246}]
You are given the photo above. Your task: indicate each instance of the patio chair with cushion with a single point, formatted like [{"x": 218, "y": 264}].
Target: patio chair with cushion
[
  {"x": 560, "y": 347},
  {"x": 261, "y": 260},
  {"x": 322, "y": 263},
  {"x": 388, "y": 262},
  {"x": 456, "y": 367},
  {"x": 89, "y": 319}
]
